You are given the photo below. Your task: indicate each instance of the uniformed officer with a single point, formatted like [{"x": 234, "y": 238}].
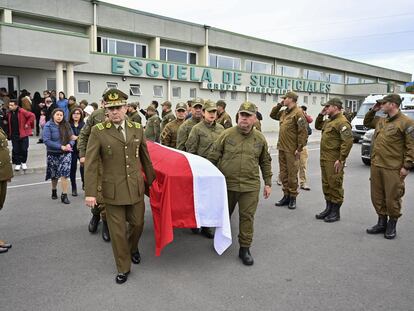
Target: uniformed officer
[
  {"x": 336, "y": 143},
  {"x": 239, "y": 152},
  {"x": 120, "y": 145},
  {"x": 98, "y": 211},
  {"x": 167, "y": 114},
  {"x": 169, "y": 134},
  {"x": 133, "y": 114},
  {"x": 152, "y": 127},
  {"x": 293, "y": 136},
  {"x": 6, "y": 174},
  {"x": 223, "y": 117},
  {"x": 201, "y": 139},
  {"x": 392, "y": 157},
  {"x": 185, "y": 128}
]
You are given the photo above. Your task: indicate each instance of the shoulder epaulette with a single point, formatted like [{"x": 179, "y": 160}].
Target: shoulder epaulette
[
  {"x": 137, "y": 125},
  {"x": 100, "y": 126}
]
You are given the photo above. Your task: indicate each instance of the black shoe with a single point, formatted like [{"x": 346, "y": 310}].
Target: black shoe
[
  {"x": 380, "y": 226},
  {"x": 105, "y": 231},
  {"x": 3, "y": 250},
  {"x": 121, "y": 278},
  {"x": 292, "y": 203},
  {"x": 54, "y": 194},
  {"x": 6, "y": 245},
  {"x": 195, "y": 230},
  {"x": 326, "y": 212},
  {"x": 64, "y": 198},
  {"x": 391, "y": 231},
  {"x": 334, "y": 213},
  {"x": 283, "y": 201},
  {"x": 245, "y": 256},
  {"x": 40, "y": 141},
  {"x": 136, "y": 257},
  {"x": 74, "y": 192},
  {"x": 207, "y": 232},
  {"x": 93, "y": 224}
]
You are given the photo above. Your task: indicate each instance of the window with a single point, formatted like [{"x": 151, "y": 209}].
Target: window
[
  {"x": 314, "y": 100},
  {"x": 275, "y": 98},
  {"x": 176, "y": 92},
  {"x": 224, "y": 62},
  {"x": 322, "y": 100},
  {"x": 287, "y": 71},
  {"x": 233, "y": 95},
  {"x": 313, "y": 75},
  {"x": 263, "y": 97},
  {"x": 51, "y": 84},
  {"x": 158, "y": 91},
  {"x": 135, "y": 89},
  {"x": 121, "y": 47},
  {"x": 193, "y": 93},
  {"x": 178, "y": 56},
  {"x": 305, "y": 99},
  {"x": 83, "y": 87},
  {"x": 367, "y": 80},
  {"x": 352, "y": 80},
  {"x": 258, "y": 67},
  {"x": 112, "y": 85},
  {"x": 222, "y": 94},
  {"x": 336, "y": 78}
]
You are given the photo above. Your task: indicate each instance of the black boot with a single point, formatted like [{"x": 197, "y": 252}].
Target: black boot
[
  {"x": 93, "y": 224},
  {"x": 64, "y": 198},
  {"x": 207, "y": 232},
  {"x": 391, "y": 231},
  {"x": 334, "y": 213},
  {"x": 105, "y": 231},
  {"x": 326, "y": 212},
  {"x": 245, "y": 256},
  {"x": 292, "y": 203},
  {"x": 283, "y": 201},
  {"x": 74, "y": 192},
  {"x": 380, "y": 226},
  {"x": 54, "y": 194}
]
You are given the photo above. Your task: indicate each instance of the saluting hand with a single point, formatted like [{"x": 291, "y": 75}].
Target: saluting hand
[
  {"x": 266, "y": 191},
  {"x": 338, "y": 166},
  {"x": 90, "y": 202}
]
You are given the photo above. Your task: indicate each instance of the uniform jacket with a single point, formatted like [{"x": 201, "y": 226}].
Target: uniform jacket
[
  {"x": 98, "y": 116},
  {"x": 152, "y": 128},
  {"x": 6, "y": 170},
  {"x": 239, "y": 156},
  {"x": 183, "y": 132},
  {"x": 393, "y": 142},
  {"x": 336, "y": 140},
  {"x": 135, "y": 117},
  {"x": 167, "y": 118},
  {"x": 122, "y": 163},
  {"x": 26, "y": 121},
  {"x": 293, "y": 132},
  {"x": 169, "y": 134},
  {"x": 224, "y": 119},
  {"x": 202, "y": 137}
]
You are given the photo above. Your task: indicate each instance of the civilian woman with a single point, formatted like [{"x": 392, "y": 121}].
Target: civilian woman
[
  {"x": 57, "y": 136},
  {"x": 63, "y": 104},
  {"x": 76, "y": 123},
  {"x": 37, "y": 107}
]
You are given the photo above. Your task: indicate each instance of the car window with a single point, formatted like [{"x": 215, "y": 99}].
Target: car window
[{"x": 364, "y": 109}]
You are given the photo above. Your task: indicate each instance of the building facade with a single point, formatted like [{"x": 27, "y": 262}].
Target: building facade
[{"x": 82, "y": 47}]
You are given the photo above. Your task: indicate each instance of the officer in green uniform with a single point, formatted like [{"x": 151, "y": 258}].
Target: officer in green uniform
[
  {"x": 167, "y": 114},
  {"x": 6, "y": 174},
  {"x": 336, "y": 143},
  {"x": 133, "y": 114},
  {"x": 293, "y": 135},
  {"x": 223, "y": 117},
  {"x": 169, "y": 134},
  {"x": 185, "y": 128},
  {"x": 98, "y": 211},
  {"x": 392, "y": 157},
  {"x": 152, "y": 127},
  {"x": 121, "y": 147},
  {"x": 201, "y": 139},
  {"x": 239, "y": 152}
]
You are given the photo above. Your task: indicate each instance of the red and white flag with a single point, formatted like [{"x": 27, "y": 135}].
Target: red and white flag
[{"x": 189, "y": 192}]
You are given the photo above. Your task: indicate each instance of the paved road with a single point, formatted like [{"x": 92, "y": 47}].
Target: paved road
[{"x": 300, "y": 263}]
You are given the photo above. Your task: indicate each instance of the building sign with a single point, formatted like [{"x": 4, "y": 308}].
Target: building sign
[{"x": 215, "y": 79}]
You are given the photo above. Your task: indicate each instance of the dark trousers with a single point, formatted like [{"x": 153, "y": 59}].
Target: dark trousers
[
  {"x": 19, "y": 152},
  {"x": 74, "y": 168},
  {"x": 37, "y": 123}
]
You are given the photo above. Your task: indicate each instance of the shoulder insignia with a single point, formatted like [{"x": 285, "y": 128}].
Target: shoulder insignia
[
  {"x": 343, "y": 128},
  {"x": 301, "y": 121},
  {"x": 100, "y": 126},
  {"x": 410, "y": 131},
  {"x": 137, "y": 125},
  {"x": 129, "y": 124},
  {"x": 108, "y": 125}
]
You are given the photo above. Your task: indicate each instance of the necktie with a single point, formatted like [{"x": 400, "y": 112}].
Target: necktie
[{"x": 121, "y": 131}]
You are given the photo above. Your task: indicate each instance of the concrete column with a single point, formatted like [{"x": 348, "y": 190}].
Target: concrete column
[
  {"x": 169, "y": 90},
  {"x": 93, "y": 44},
  {"x": 6, "y": 16},
  {"x": 59, "y": 77},
  {"x": 154, "y": 48},
  {"x": 70, "y": 80},
  {"x": 203, "y": 59}
]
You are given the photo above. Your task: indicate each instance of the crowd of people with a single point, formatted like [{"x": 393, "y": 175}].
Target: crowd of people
[{"x": 98, "y": 137}]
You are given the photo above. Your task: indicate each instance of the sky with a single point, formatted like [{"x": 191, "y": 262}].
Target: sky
[{"x": 376, "y": 32}]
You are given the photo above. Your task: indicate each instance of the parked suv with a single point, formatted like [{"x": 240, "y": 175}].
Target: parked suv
[{"x": 368, "y": 139}]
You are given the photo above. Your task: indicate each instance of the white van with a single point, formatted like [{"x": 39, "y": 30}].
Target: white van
[{"x": 358, "y": 128}]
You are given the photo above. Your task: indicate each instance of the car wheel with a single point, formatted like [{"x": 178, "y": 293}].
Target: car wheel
[{"x": 366, "y": 161}]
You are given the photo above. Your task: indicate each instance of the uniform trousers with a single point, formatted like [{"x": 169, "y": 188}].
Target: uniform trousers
[
  {"x": 125, "y": 238},
  {"x": 332, "y": 183},
  {"x": 289, "y": 166},
  {"x": 387, "y": 189},
  {"x": 3, "y": 192},
  {"x": 247, "y": 208},
  {"x": 303, "y": 166}
]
